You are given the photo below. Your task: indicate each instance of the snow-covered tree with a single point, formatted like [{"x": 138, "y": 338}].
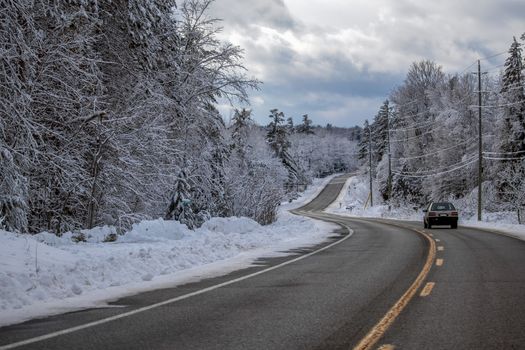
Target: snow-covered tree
[
  {"x": 277, "y": 137},
  {"x": 104, "y": 103},
  {"x": 240, "y": 130},
  {"x": 363, "y": 145},
  {"x": 180, "y": 207},
  {"x": 381, "y": 145},
  {"x": 290, "y": 128},
  {"x": 510, "y": 144},
  {"x": 413, "y": 125},
  {"x": 513, "y": 192},
  {"x": 255, "y": 177},
  {"x": 306, "y": 126},
  {"x": 380, "y": 130},
  {"x": 13, "y": 195},
  {"x": 512, "y": 125}
]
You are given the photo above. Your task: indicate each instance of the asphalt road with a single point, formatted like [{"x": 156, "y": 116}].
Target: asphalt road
[
  {"x": 328, "y": 299},
  {"x": 478, "y": 297}
]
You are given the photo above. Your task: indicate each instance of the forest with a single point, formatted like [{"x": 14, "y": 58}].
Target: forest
[
  {"x": 108, "y": 117},
  {"x": 427, "y": 134}
]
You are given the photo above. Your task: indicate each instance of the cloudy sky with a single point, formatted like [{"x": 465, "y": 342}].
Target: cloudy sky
[{"x": 337, "y": 60}]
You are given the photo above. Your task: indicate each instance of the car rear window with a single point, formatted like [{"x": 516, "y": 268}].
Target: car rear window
[{"x": 442, "y": 206}]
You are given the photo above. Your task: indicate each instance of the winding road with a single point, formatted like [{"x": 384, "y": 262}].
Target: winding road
[{"x": 376, "y": 284}]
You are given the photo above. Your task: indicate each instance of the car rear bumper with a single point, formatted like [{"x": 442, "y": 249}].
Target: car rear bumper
[{"x": 442, "y": 220}]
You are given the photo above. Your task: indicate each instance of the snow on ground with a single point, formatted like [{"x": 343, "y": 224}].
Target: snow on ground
[
  {"x": 44, "y": 274},
  {"x": 355, "y": 194}
]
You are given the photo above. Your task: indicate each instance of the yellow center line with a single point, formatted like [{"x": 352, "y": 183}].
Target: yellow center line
[
  {"x": 427, "y": 289},
  {"x": 439, "y": 262},
  {"x": 380, "y": 328},
  {"x": 386, "y": 347}
]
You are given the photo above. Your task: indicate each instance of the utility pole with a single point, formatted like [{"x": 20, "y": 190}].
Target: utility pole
[
  {"x": 389, "y": 181},
  {"x": 370, "y": 163},
  {"x": 480, "y": 144}
]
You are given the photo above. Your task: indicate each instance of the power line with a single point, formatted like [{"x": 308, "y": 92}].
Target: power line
[
  {"x": 511, "y": 87},
  {"x": 439, "y": 151},
  {"x": 498, "y": 106},
  {"x": 439, "y": 173},
  {"x": 422, "y": 172},
  {"x": 415, "y": 126},
  {"x": 499, "y": 153},
  {"x": 464, "y": 70},
  {"x": 492, "y": 56},
  {"x": 406, "y": 116},
  {"x": 413, "y": 137},
  {"x": 497, "y": 158},
  {"x": 495, "y": 68}
]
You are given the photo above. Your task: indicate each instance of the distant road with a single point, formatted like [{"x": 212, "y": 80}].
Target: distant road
[{"x": 325, "y": 297}]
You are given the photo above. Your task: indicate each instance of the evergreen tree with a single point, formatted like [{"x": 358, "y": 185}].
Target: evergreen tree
[
  {"x": 306, "y": 126},
  {"x": 240, "y": 122},
  {"x": 380, "y": 128},
  {"x": 290, "y": 126},
  {"x": 180, "y": 207},
  {"x": 277, "y": 135},
  {"x": 381, "y": 146},
  {"x": 512, "y": 128},
  {"x": 362, "y": 146},
  {"x": 277, "y": 138}
]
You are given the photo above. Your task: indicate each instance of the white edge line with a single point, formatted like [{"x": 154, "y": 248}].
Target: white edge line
[
  {"x": 169, "y": 301},
  {"x": 495, "y": 231}
]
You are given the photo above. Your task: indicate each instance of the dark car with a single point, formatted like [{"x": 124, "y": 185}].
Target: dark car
[{"x": 440, "y": 213}]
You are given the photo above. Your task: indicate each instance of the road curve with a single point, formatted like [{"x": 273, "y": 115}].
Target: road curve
[
  {"x": 313, "y": 299},
  {"x": 477, "y": 300}
]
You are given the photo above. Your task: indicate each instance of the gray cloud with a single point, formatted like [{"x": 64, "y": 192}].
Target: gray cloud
[
  {"x": 337, "y": 60},
  {"x": 272, "y": 13}
]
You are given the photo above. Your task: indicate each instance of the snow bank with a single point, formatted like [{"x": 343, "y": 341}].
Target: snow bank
[
  {"x": 355, "y": 194},
  {"x": 514, "y": 230},
  {"x": 45, "y": 274}
]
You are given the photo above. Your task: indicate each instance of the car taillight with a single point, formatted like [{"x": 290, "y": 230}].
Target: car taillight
[
  {"x": 431, "y": 213},
  {"x": 454, "y": 213}
]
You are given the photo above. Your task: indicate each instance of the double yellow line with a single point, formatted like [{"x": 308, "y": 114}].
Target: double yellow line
[{"x": 380, "y": 328}]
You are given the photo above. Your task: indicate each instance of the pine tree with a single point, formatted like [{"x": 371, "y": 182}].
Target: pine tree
[
  {"x": 511, "y": 129},
  {"x": 180, "y": 207},
  {"x": 240, "y": 122},
  {"x": 513, "y": 125},
  {"x": 362, "y": 146},
  {"x": 277, "y": 135},
  {"x": 290, "y": 126},
  {"x": 277, "y": 138},
  {"x": 306, "y": 126},
  {"x": 380, "y": 128}
]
